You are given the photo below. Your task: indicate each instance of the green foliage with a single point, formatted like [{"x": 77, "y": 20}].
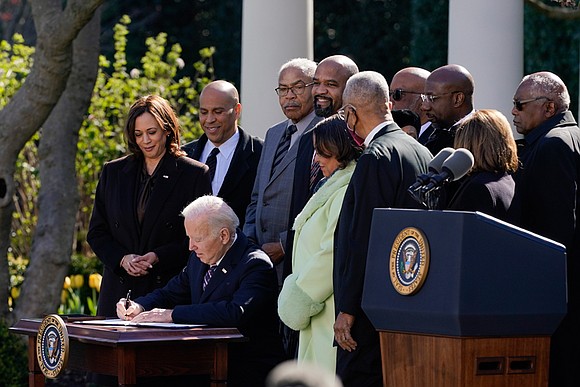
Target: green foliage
[
  {"x": 13, "y": 359},
  {"x": 553, "y": 45},
  {"x": 15, "y": 64}
]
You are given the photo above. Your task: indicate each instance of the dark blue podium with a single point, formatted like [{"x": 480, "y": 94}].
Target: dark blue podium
[{"x": 462, "y": 299}]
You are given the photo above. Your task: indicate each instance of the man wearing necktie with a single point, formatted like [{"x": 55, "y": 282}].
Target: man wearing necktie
[
  {"x": 268, "y": 215},
  {"x": 328, "y": 84},
  {"x": 231, "y": 154},
  {"x": 228, "y": 282}
]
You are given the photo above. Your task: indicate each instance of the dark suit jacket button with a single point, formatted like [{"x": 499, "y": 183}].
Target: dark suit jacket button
[
  {"x": 121, "y": 280},
  {"x": 264, "y": 230},
  {"x": 265, "y": 204},
  {"x": 158, "y": 279},
  {"x": 169, "y": 225},
  {"x": 116, "y": 224}
]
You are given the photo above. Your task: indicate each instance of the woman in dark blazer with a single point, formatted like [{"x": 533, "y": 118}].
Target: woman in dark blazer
[
  {"x": 489, "y": 186},
  {"x": 136, "y": 229}
]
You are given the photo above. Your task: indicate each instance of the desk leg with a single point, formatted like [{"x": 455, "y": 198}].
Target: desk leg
[
  {"x": 219, "y": 374},
  {"x": 35, "y": 375},
  {"x": 126, "y": 366}
]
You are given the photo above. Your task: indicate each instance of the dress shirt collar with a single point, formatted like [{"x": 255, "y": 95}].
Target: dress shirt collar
[
  {"x": 300, "y": 126},
  {"x": 226, "y": 149},
  {"x": 376, "y": 129}
]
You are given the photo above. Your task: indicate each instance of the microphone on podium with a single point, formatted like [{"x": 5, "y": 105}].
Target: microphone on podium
[
  {"x": 434, "y": 168},
  {"x": 453, "y": 168}
]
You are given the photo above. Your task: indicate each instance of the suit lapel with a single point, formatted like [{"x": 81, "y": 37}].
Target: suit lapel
[
  {"x": 198, "y": 149},
  {"x": 270, "y": 152},
  {"x": 196, "y": 280},
  {"x": 238, "y": 164}
]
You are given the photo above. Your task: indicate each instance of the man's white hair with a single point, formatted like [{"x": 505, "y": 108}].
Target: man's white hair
[{"x": 214, "y": 211}]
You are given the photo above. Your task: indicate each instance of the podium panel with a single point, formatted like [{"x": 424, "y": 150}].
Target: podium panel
[
  {"x": 485, "y": 278},
  {"x": 435, "y": 361},
  {"x": 462, "y": 299}
]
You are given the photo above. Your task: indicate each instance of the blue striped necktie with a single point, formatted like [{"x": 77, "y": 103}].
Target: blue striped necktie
[
  {"x": 208, "y": 275},
  {"x": 283, "y": 147}
]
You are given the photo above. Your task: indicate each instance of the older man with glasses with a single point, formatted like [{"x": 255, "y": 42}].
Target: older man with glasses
[
  {"x": 548, "y": 194},
  {"x": 447, "y": 100},
  {"x": 271, "y": 211},
  {"x": 406, "y": 88}
]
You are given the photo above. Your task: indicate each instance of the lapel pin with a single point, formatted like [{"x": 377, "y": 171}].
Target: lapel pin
[
  {"x": 224, "y": 270},
  {"x": 165, "y": 177}
]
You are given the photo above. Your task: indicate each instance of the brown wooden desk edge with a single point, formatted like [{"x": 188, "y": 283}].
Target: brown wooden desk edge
[{"x": 125, "y": 339}]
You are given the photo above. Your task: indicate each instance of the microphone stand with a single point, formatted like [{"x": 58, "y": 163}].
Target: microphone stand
[{"x": 429, "y": 199}]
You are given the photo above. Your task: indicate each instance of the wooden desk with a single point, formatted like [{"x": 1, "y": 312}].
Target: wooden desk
[{"x": 131, "y": 352}]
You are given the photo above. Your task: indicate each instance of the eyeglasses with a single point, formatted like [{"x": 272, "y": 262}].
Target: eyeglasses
[
  {"x": 398, "y": 94},
  {"x": 341, "y": 113},
  {"x": 432, "y": 97},
  {"x": 297, "y": 89},
  {"x": 519, "y": 104}
]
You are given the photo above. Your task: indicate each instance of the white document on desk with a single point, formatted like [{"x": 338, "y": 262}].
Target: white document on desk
[{"x": 120, "y": 323}]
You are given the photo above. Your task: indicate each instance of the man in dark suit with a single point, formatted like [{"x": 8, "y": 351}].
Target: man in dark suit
[
  {"x": 447, "y": 100},
  {"x": 388, "y": 166},
  {"x": 548, "y": 193},
  {"x": 406, "y": 88},
  {"x": 236, "y": 161},
  {"x": 228, "y": 282},
  {"x": 328, "y": 84}
]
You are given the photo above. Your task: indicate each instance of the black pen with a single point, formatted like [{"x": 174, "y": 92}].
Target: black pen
[{"x": 128, "y": 300}]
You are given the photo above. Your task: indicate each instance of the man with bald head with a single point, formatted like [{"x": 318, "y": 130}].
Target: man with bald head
[
  {"x": 447, "y": 100},
  {"x": 548, "y": 193},
  {"x": 390, "y": 163},
  {"x": 329, "y": 82},
  {"x": 406, "y": 88},
  {"x": 231, "y": 153}
]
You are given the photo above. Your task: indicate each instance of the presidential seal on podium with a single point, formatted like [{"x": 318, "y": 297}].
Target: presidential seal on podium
[
  {"x": 409, "y": 261},
  {"x": 52, "y": 346}
]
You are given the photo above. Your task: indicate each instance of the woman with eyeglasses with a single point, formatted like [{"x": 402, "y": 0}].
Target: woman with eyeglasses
[
  {"x": 489, "y": 186},
  {"x": 306, "y": 302}
]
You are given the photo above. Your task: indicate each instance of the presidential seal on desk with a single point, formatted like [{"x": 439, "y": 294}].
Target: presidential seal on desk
[
  {"x": 52, "y": 346},
  {"x": 409, "y": 261}
]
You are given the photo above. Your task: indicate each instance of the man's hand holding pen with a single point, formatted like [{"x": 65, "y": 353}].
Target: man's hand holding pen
[{"x": 128, "y": 309}]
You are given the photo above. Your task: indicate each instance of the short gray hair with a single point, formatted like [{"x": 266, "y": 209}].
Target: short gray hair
[
  {"x": 549, "y": 85},
  {"x": 306, "y": 66},
  {"x": 216, "y": 212},
  {"x": 367, "y": 88}
]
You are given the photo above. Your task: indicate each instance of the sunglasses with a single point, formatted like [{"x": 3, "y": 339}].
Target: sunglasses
[
  {"x": 397, "y": 94},
  {"x": 519, "y": 104}
]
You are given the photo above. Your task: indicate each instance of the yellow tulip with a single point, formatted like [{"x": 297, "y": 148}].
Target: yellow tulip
[
  {"x": 77, "y": 281},
  {"x": 15, "y": 293},
  {"x": 67, "y": 282},
  {"x": 95, "y": 281},
  {"x": 63, "y": 296}
]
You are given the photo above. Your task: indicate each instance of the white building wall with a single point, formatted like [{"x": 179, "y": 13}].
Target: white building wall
[
  {"x": 273, "y": 32},
  {"x": 487, "y": 38}
]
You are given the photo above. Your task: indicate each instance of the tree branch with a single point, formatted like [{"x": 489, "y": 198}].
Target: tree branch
[{"x": 562, "y": 13}]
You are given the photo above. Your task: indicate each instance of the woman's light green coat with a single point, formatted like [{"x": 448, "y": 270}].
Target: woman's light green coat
[{"x": 306, "y": 302}]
